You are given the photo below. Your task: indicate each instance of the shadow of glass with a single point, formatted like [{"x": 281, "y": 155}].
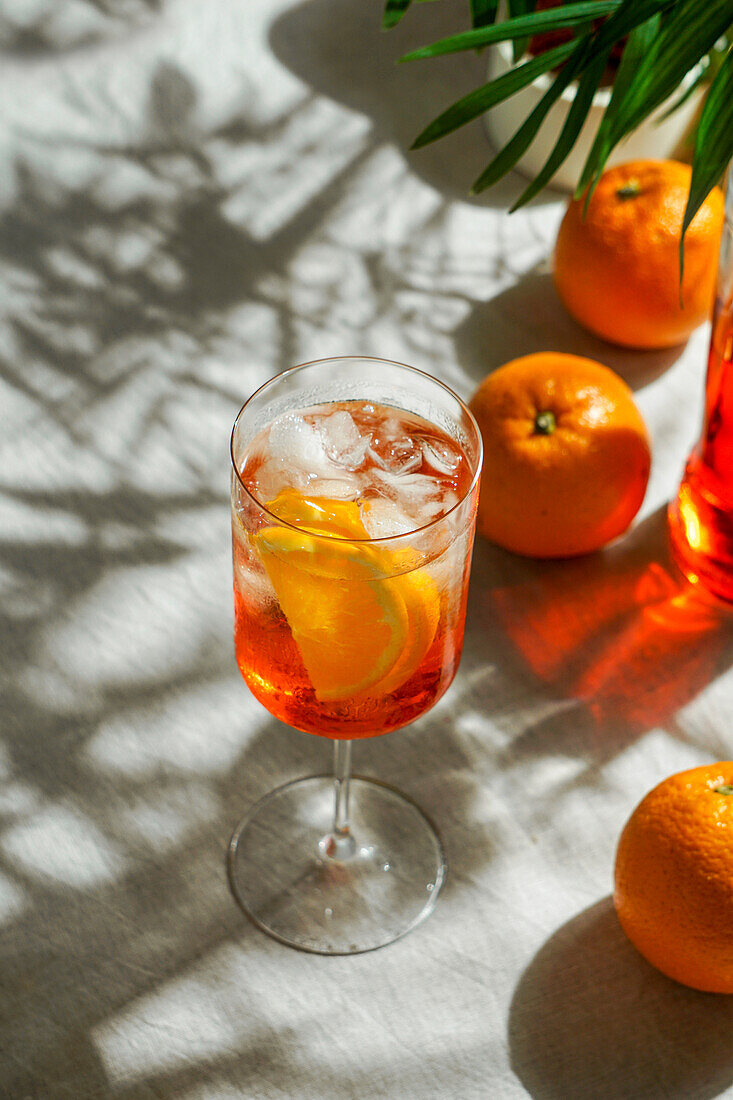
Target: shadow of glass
[
  {"x": 339, "y": 50},
  {"x": 425, "y": 760},
  {"x": 590, "y": 1018},
  {"x": 529, "y": 317}
]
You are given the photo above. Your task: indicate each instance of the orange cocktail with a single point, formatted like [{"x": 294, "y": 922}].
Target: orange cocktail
[
  {"x": 342, "y": 627},
  {"x": 354, "y": 491}
]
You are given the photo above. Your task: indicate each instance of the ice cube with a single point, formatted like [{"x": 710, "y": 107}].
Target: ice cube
[
  {"x": 448, "y": 500},
  {"x": 297, "y": 445},
  {"x": 343, "y": 442},
  {"x": 383, "y": 518},
  {"x": 421, "y": 497},
  {"x": 252, "y": 581},
  {"x": 392, "y": 448},
  {"x": 342, "y": 488},
  {"x": 266, "y": 483},
  {"x": 398, "y": 456},
  {"x": 294, "y": 456},
  {"x": 440, "y": 457}
]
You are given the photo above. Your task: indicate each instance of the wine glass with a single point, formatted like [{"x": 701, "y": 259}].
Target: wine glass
[{"x": 354, "y": 492}]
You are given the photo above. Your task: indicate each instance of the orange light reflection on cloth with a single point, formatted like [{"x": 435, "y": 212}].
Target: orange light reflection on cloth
[{"x": 630, "y": 638}]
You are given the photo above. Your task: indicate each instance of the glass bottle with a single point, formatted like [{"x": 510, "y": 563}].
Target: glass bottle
[{"x": 701, "y": 516}]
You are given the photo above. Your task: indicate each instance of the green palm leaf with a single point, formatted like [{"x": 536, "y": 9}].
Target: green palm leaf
[
  {"x": 395, "y": 9},
  {"x": 525, "y": 135},
  {"x": 570, "y": 15},
  {"x": 476, "y": 103},
  {"x": 664, "y": 40},
  {"x": 714, "y": 142},
  {"x": 687, "y": 33},
  {"x": 393, "y": 12},
  {"x": 483, "y": 12},
  {"x": 518, "y": 8},
  {"x": 573, "y": 125},
  {"x": 593, "y": 58},
  {"x": 637, "y": 46}
]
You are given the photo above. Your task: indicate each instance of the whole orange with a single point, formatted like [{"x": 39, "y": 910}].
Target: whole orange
[
  {"x": 617, "y": 265},
  {"x": 566, "y": 455},
  {"x": 674, "y": 877}
]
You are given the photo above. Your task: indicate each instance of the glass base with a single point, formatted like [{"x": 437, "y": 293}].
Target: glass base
[{"x": 364, "y": 896}]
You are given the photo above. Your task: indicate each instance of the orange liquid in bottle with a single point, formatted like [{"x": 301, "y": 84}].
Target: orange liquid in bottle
[{"x": 701, "y": 518}]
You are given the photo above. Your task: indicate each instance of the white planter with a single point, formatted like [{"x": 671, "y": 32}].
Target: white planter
[{"x": 652, "y": 140}]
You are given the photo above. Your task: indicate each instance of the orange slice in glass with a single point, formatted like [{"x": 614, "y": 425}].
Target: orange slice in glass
[
  {"x": 422, "y": 602},
  {"x": 319, "y": 514},
  {"x": 358, "y": 629}
]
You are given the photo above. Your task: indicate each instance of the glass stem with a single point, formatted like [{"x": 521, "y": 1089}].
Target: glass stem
[
  {"x": 341, "y": 784},
  {"x": 339, "y": 844}
]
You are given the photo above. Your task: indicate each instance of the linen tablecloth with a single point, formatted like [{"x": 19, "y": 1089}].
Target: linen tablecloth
[{"x": 193, "y": 197}]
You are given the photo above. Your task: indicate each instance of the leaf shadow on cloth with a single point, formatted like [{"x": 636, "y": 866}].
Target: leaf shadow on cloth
[
  {"x": 167, "y": 239},
  {"x": 56, "y": 26},
  {"x": 590, "y": 1017},
  {"x": 529, "y": 317},
  {"x": 131, "y": 751},
  {"x": 338, "y": 48},
  {"x": 121, "y": 285}
]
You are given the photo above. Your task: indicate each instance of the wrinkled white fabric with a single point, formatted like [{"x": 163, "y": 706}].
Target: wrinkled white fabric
[{"x": 194, "y": 196}]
